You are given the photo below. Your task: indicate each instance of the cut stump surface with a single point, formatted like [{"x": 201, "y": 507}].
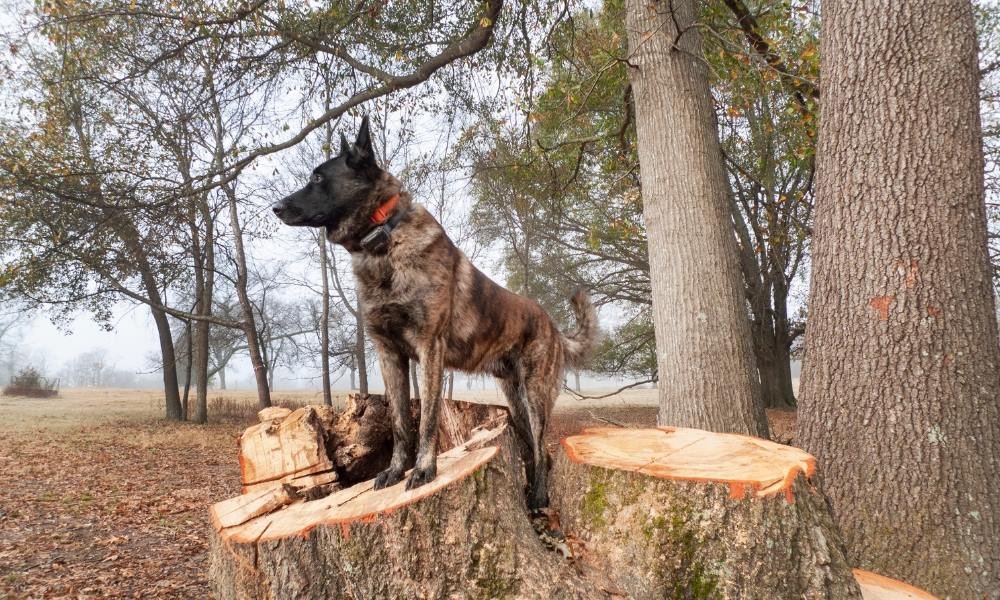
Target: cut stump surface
[
  {"x": 877, "y": 587},
  {"x": 742, "y": 462},
  {"x": 670, "y": 509}
]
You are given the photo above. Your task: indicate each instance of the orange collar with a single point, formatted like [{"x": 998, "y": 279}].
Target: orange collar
[{"x": 381, "y": 214}]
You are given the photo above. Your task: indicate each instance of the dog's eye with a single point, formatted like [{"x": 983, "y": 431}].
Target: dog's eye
[{"x": 316, "y": 178}]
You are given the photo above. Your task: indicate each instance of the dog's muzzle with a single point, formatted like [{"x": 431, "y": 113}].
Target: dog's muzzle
[{"x": 284, "y": 210}]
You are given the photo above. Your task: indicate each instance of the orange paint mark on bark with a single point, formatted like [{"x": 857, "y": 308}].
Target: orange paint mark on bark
[
  {"x": 911, "y": 275},
  {"x": 882, "y": 304},
  {"x": 933, "y": 311},
  {"x": 345, "y": 530}
]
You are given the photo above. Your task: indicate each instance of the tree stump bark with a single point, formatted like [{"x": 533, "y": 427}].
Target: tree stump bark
[
  {"x": 466, "y": 534},
  {"x": 684, "y": 513}
]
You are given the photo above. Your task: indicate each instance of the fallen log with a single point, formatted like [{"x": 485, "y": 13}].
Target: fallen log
[{"x": 682, "y": 513}]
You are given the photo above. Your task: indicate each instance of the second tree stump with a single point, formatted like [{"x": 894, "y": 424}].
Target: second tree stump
[{"x": 684, "y": 513}]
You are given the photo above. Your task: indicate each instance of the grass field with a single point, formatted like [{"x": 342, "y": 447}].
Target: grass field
[{"x": 102, "y": 498}]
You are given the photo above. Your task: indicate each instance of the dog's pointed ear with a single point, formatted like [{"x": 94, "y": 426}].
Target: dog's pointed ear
[
  {"x": 364, "y": 141},
  {"x": 345, "y": 146},
  {"x": 361, "y": 155}
]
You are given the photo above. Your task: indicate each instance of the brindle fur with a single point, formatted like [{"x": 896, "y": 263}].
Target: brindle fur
[{"x": 423, "y": 300}]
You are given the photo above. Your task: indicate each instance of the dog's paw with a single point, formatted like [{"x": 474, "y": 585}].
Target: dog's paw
[
  {"x": 419, "y": 477},
  {"x": 390, "y": 476}
]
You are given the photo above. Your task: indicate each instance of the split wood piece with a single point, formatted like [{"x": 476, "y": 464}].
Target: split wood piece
[
  {"x": 355, "y": 442},
  {"x": 267, "y": 497},
  {"x": 878, "y": 587},
  {"x": 281, "y": 450},
  {"x": 690, "y": 513},
  {"x": 466, "y": 534}
]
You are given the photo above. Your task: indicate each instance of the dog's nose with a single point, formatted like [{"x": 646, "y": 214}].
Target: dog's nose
[{"x": 278, "y": 208}]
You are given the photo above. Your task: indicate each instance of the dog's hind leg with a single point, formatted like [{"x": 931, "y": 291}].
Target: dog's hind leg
[
  {"x": 395, "y": 373},
  {"x": 431, "y": 376},
  {"x": 541, "y": 395},
  {"x": 510, "y": 383}
]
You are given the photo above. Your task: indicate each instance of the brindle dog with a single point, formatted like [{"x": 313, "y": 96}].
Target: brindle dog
[{"x": 423, "y": 300}]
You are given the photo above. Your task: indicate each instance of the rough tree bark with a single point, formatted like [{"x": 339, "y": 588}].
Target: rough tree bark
[
  {"x": 899, "y": 390},
  {"x": 702, "y": 330}
]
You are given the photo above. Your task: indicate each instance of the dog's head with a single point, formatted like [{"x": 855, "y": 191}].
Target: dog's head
[{"x": 338, "y": 189}]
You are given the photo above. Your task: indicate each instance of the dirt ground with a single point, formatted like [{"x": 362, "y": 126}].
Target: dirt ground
[{"x": 101, "y": 498}]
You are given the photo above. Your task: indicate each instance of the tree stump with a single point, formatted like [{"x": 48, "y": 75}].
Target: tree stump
[
  {"x": 648, "y": 513},
  {"x": 465, "y": 534},
  {"x": 684, "y": 513}
]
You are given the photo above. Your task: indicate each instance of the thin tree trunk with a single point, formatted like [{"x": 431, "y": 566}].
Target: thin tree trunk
[
  {"x": 246, "y": 306},
  {"x": 188, "y": 365},
  {"x": 324, "y": 321},
  {"x": 249, "y": 322},
  {"x": 702, "y": 330},
  {"x": 222, "y": 378},
  {"x": 359, "y": 348},
  {"x": 204, "y": 268},
  {"x": 168, "y": 362},
  {"x": 899, "y": 391},
  {"x": 168, "y": 356}
]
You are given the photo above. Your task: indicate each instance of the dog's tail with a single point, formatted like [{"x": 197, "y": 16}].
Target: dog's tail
[{"x": 578, "y": 345}]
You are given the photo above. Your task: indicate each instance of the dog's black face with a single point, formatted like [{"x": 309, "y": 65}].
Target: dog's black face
[{"x": 336, "y": 188}]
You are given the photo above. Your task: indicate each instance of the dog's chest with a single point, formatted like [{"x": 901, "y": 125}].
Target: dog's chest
[{"x": 393, "y": 298}]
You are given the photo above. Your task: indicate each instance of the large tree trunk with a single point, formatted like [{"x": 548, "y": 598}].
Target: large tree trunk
[
  {"x": 702, "y": 329},
  {"x": 902, "y": 363}
]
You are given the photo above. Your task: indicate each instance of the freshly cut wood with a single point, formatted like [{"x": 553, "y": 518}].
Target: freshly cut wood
[
  {"x": 280, "y": 450},
  {"x": 877, "y": 587},
  {"x": 272, "y": 413},
  {"x": 457, "y": 420},
  {"x": 355, "y": 443},
  {"x": 690, "y": 513},
  {"x": 466, "y": 534}
]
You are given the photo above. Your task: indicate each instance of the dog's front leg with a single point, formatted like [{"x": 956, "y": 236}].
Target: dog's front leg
[
  {"x": 395, "y": 373},
  {"x": 431, "y": 374}
]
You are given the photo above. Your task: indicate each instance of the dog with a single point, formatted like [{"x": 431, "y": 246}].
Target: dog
[{"x": 423, "y": 300}]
